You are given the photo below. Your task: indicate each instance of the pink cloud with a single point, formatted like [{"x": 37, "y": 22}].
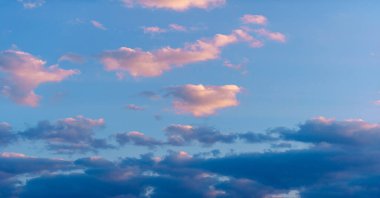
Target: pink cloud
[
  {"x": 177, "y": 27},
  {"x": 177, "y": 5},
  {"x": 98, "y": 25},
  {"x": 139, "y": 63},
  {"x": 200, "y": 100},
  {"x": 254, "y": 19},
  {"x": 274, "y": 36},
  {"x": 23, "y": 73}
]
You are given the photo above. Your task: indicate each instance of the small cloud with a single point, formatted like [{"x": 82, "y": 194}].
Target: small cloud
[
  {"x": 274, "y": 36},
  {"x": 31, "y": 4},
  {"x": 177, "y": 27},
  {"x": 98, "y": 25},
  {"x": 254, "y": 19},
  {"x": 70, "y": 57},
  {"x": 153, "y": 30},
  {"x": 200, "y": 100},
  {"x": 134, "y": 107}
]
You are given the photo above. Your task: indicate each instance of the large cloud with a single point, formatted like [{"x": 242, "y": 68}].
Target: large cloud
[
  {"x": 68, "y": 135},
  {"x": 178, "y": 5},
  {"x": 139, "y": 63},
  {"x": 23, "y": 73},
  {"x": 201, "y": 100}
]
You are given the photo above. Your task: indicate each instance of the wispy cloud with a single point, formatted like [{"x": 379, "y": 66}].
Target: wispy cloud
[{"x": 98, "y": 25}]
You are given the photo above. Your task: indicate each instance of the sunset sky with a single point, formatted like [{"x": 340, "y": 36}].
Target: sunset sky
[{"x": 189, "y": 98}]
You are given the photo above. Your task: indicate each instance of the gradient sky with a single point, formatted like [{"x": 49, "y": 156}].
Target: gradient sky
[{"x": 205, "y": 87}]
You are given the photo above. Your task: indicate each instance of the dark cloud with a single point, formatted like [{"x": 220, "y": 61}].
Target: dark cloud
[
  {"x": 6, "y": 134},
  {"x": 68, "y": 135},
  {"x": 179, "y": 135}
]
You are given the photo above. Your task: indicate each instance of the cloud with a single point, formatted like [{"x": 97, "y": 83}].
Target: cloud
[
  {"x": 69, "y": 135},
  {"x": 31, "y": 4},
  {"x": 70, "y": 57},
  {"x": 341, "y": 163},
  {"x": 178, "y": 5},
  {"x": 274, "y": 36},
  {"x": 98, "y": 25},
  {"x": 137, "y": 138},
  {"x": 6, "y": 134},
  {"x": 23, "y": 73},
  {"x": 352, "y": 132},
  {"x": 139, "y": 63},
  {"x": 171, "y": 28},
  {"x": 254, "y": 19},
  {"x": 201, "y": 100},
  {"x": 134, "y": 107},
  {"x": 153, "y": 29},
  {"x": 180, "y": 135}
]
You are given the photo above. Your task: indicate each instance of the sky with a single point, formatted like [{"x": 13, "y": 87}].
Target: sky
[{"x": 189, "y": 98}]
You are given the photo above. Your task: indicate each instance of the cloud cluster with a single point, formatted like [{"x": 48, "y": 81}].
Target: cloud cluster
[
  {"x": 139, "y": 63},
  {"x": 31, "y": 4},
  {"x": 344, "y": 162},
  {"x": 178, "y": 5},
  {"x": 6, "y": 134},
  {"x": 68, "y": 135},
  {"x": 172, "y": 28},
  {"x": 23, "y": 73},
  {"x": 201, "y": 100}
]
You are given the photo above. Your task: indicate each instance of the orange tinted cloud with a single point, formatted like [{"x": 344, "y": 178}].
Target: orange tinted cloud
[
  {"x": 201, "y": 100},
  {"x": 139, "y": 63},
  {"x": 254, "y": 19}
]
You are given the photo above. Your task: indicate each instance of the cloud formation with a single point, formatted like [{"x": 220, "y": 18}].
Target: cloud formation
[
  {"x": 98, "y": 25},
  {"x": 201, "y": 100},
  {"x": 178, "y": 5},
  {"x": 31, "y": 4},
  {"x": 137, "y": 138},
  {"x": 6, "y": 134},
  {"x": 139, "y": 63},
  {"x": 69, "y": 135},
  {"x": 180, "y": 135},
  {"x": 171, "y": 28},
  {"x": 254, "y": 19},
  {"x": 23, "y": 73}
]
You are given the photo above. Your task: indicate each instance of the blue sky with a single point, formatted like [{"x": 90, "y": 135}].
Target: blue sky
[{"x": 124, "y": 72}]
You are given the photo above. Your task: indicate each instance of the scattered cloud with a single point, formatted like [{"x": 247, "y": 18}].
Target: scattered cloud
[
  {"x": 274, "y": 36},
  {"x": 24, "y": 72},
  {"x": 137, "y": 138},
  {"x": 254, "y": 19},
  {"x": 201, "y": 100},
  {"x": 6, "y": 134},
  {"x": 98, "y": 25},
  {"x": 139, "y": 63},
  {"x": 171, "y": 28},
  {"x": 71, "y": 57},
  {"x": 178, "y": 5},
  {"x": 31, "y": 4},
  {"x": 153, "y": 30},
  {"x": 180, "y": 135},
  {"x": 134, "y": 107},
  {"x": 69, "y": 135}
]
